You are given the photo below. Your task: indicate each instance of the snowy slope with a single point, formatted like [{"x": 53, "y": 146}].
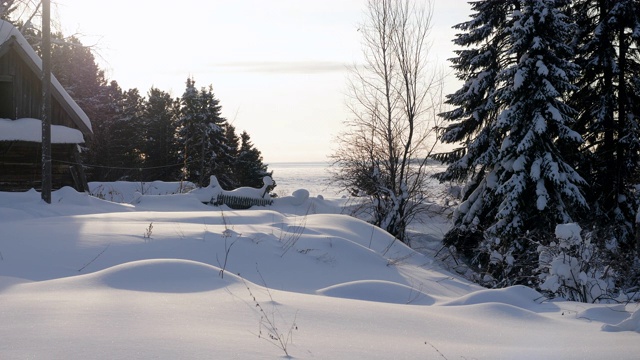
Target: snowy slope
[{"x": 87, "y": 278}]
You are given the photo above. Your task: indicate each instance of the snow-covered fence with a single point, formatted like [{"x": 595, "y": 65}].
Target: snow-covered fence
[
  {"x": 240, "y": 202},
  {"x": 240, "y": 198}
]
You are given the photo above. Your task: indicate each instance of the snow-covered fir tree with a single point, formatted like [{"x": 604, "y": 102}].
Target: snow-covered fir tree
[
  {"x": 249, "y": 170},
  {"x": 474, "y": 116},
  {"x": 200, "y": 133},
  {"x": 609, "y": 119},
  {"x": 160, "y": 152},
  {"x": 117, "y": 130},
  {"x": 228, "y": 162},
  {"x": 209, "y": 144},
  {"x": 537, "y": 188},
  {"x": 514, "y": 128}
]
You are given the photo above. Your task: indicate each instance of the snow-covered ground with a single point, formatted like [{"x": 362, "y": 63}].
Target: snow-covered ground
[{"x": 86, "y": 278}]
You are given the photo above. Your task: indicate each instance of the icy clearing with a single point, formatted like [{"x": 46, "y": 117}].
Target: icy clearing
[{"x": 168, "y": 277}]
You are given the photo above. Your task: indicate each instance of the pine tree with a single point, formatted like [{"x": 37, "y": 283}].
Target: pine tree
[
  {"x": 514, "y": 128},
  {"x": 250, "y": 170},
  {"x": 607, "y": 98},
  {"x": 160, "y": 150},
  {"x": 126, "y": 131},
  {"x": 537, "y": 188},
  {"x": 201, "y": 134},
  {"x": 100, "y": 155},
  {"x": 229, "y": 162},
  {"x": 474, "y": 117},
  {"x": 75, "y": 67}
]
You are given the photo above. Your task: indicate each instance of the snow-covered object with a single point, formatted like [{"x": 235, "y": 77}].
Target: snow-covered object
[
  {"x": 570, "y": 267},
  {"x": 267, "y": 181},
  {"x": 7, "y": 30},
  {"x": 256, "y": 193},
  {"x": 630, "y": 324},
  {"x": 31, "y": 130},
  {"x": 568, "y": 234},
  {"x": 210, "y": 193},
  {"x": 300, "y": 196}
]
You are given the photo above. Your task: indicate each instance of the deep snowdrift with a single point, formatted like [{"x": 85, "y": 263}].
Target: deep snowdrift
[{"x": 88, "y": 278}]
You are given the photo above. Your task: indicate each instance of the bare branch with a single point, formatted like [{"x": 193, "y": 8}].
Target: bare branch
[{"x": 393, "y": 99}]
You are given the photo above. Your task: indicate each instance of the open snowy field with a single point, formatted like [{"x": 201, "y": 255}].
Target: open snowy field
[{"x": 169, "y": 277}]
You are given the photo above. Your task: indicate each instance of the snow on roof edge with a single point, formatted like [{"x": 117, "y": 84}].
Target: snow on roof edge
[
  {"x": 6, "y": 31},
  {"x": 29, "y": 129}
]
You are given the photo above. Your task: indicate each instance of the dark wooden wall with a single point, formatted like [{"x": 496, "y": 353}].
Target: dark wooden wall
[
  {"x": 21, "y": 166},
  {"x": 21, "y": 161},
  {"x": 27, "y": 90}
]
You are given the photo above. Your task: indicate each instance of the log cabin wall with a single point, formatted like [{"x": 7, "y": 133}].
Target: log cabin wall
[
  {"x": 21, "y": 166},
  {"x": 21, "y": 97},
  {"x": 21, "y": 91}
]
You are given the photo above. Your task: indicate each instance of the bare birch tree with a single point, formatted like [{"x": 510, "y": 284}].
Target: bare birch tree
[{"x": 394, "y": 100}]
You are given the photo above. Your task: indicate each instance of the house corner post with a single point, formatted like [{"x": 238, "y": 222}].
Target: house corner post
[{"x": 46, "y": 101}]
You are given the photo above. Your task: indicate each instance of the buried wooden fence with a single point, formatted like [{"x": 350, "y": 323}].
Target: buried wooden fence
[{"x": 240, "y": 202}]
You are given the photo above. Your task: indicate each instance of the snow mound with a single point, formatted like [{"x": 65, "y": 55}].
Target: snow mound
[
  {"x": 508, "y": 305},
  {"x": 606, "y": 314},
  {"x": 379, "y": 291},
  {"x": 69, "y": 195},
  {"x": 165, "y": 276},
  {"x": 300, "y": 196},
  {"x": 519, "y": 296},
  {"x": 129, "y": 192},
  {"x": 64, "y": 201},
  {"x": 180, "y": 202},
  {"x": 505, "y": 313},
  {"x": 297, "y": 198},
  {"x": 9, "y": 281},
  {"x": 632, "y": 323}
]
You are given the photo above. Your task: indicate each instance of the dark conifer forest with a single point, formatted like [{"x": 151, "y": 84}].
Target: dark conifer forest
[{"x": 153, "y": 135}]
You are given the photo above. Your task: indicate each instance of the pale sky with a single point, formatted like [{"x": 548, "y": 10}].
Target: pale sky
[{"x": 278, "y": 67}]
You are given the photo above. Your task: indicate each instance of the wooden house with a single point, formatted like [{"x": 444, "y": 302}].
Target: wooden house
[{"x": 20, "y": 127}]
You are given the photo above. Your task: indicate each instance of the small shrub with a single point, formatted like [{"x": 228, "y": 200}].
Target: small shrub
[
  {"x": 268, "y": 329},
  {"x": 570, "y": 267},
  {"x": 226, "y": 234},
  {"x": 148, "y": 231}
]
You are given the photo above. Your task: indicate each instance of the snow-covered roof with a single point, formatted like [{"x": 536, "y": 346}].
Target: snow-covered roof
[
  {"x": 7, "y": 30},
  {"x": 31, "y": 130}
]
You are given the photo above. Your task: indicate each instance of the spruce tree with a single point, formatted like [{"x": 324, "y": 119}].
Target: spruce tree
[
  {"x": 474, "y": 116},
  {"x": 514, "y": 128},
  {"x": 201, "y": 134},
  {"x": 229, "y": 162},
  {"x": 607, "y": 98},
  {"x": 75, "y": 67},
  {"x": 250, "y": 170},
  {"x": 537, "y": 188},
  {"x": 160, "y": 150},
  {"x": 126, "y": 136},
  {"x": 101, "y": 155}
]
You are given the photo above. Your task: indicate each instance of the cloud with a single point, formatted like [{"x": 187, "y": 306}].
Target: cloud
[{"x": 285, "y": 67}]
